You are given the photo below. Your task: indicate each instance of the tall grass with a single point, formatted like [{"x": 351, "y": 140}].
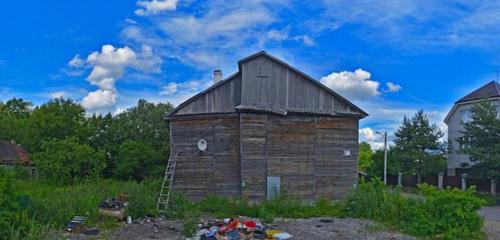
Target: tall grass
[{"x": 45, "y": 206}]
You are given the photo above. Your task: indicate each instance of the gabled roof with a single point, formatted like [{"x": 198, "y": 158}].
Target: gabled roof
[
  {"x": 360, "y": 113},
  {"x": 492, "y": 89},
  {"x": 12, "y": 154},
  {"x": 488, "y": 91},
  {"x": 329, "y": 90}
]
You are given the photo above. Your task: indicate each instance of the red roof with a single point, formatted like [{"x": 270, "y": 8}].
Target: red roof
[{"x": 13, "y": 154}]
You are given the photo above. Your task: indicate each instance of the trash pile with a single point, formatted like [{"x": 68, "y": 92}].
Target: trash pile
[
  {"x": 238, "y": 229},
  {"x": 114, "y": 207}
]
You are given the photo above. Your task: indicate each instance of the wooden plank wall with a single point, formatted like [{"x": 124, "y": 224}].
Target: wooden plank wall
[
  {"x": 215, "y": 171},
  {"x": 336, "y": 174},
  {"x": 221, "y": 99},
  {"x": 253, "y": 155},
  {"x": 306, "y": 152},
  {"x": 268, "y": 83},
  {"x": 291, "y": 154}
]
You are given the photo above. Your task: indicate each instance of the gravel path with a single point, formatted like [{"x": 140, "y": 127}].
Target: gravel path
[
  {"x": 491, "y": 221},
  {"x": 336, "y": 228}
]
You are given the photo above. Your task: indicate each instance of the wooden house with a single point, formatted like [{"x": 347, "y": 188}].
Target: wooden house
[{"x": 268, "y": 128}]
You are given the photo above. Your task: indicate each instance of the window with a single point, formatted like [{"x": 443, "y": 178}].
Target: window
[
  {"x": 462, "y": 146},
  {"x": 466, "y": 115}
]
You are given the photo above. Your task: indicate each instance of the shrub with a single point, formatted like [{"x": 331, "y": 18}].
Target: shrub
[
  {"x": 446, "y": 214},
  {"x": 135, "y": 161},
  {"x": 68, "y": 162}
]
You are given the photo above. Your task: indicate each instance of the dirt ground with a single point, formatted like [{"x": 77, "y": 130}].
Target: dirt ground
[
  {"x": 491, "y": 221},
  {"x": 313, "y": 228}
]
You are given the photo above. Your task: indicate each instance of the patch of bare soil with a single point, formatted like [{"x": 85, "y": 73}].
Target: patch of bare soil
[
  {"x": 336, "y": 228},
  {"x": 301, "y": 229}
]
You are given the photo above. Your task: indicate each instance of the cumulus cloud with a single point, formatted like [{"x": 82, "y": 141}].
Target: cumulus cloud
[
  {"x": 370, "y": 136},
  {"x": 154, "y": 7},
  {"x": 392, "y": 87},
  {"x": 108, "y": 65},
  {"x": 355, "y": 85}
]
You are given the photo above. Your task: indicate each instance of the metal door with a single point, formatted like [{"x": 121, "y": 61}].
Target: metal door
[{"x": 273, "y": 187}]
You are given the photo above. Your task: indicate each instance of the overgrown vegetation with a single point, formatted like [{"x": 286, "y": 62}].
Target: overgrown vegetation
[
  {"x": 445, "y": 214},
  {"x": 28, "y": 209}
]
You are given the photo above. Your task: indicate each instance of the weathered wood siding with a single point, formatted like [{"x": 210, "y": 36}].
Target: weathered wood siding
[
  {"x": 335, "y": 174},
  {"x": 307, "y": 152},
  {"x": 268, "y": 83},
  {"x": 215, "y": 171},
  {"x": 253, "y": 154},
  {"x": 221, "y": 99}
]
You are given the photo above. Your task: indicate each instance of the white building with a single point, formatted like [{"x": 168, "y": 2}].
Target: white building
[{"x": 460, "y": 113}]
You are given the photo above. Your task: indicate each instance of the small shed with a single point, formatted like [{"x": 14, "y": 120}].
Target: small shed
[{"x": 268, "y": 128}]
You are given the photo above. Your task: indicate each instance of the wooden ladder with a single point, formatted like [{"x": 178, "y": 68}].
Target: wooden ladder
[{"x": 166, "y": 187}]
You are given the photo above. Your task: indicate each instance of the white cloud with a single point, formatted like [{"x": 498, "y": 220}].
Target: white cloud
[
  {"x": 76, "y": 62},
  {"x": 206, "y": 37},
  {"x": 419, "y": 25},
  {"x": 308, "y": 41},
  {"x": 277, "y": 35},
  {"x": 108, "y": 65},
  {"x": 101, "y": 100},
  {"x": 392, "y": 87},
  {"x": 177, "y": 92},
  {"x": 154, "y": 7},
  {"x": 170, "y": 89},
  {"x": 355, "y": 85},
  {"x": 370, "y": 136},
  {"x": 58, "y": 94}
]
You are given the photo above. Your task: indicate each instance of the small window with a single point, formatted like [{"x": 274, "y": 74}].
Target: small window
[{"x": 466, "y": 115}]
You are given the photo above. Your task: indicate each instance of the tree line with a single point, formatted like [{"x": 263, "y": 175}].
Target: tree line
[
  {"x": 70, "y": 145},
  {"x": 419, "y": 149}
]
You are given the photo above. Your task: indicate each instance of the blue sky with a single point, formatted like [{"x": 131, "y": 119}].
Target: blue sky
[{"x": 389, "y": 57}]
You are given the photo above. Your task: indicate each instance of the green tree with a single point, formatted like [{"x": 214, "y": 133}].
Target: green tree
[
  {"x": 144, "y": 123},
  {"x": 14, "y": 118},
  {"x": 376, "y": 169},
  {"x": 136, "y": 161},
  {"x": 418, "y": 146},
  {"x": 67, "y": 161},
  {"x": 365, "y": 156},
  {"x": 57, "y": 119},
  {"x": 481, "y": 138}
]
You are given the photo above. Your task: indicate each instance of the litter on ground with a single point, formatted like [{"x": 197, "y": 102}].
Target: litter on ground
[{"x": 240, "y": 228}]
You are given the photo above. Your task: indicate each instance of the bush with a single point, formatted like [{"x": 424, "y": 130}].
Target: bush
[
  {"x": 446, "y": 214},
  {"x": 68, "y": 162},
  {"x": 135, "y": 161},
  {"x": 14, "y": 220}
]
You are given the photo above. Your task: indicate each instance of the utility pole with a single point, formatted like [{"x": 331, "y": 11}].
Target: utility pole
[{"x": 385, "y": 156}]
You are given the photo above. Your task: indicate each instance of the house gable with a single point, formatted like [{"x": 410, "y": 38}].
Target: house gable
[{"x": 267, "y": 84}]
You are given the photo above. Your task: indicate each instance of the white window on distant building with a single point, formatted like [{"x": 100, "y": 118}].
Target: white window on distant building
[
  {"x": 466, "y": 115},
  {"x": 498, "y": 112}
]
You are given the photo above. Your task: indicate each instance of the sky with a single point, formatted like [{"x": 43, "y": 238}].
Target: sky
[{"x": 391, "y": 57}]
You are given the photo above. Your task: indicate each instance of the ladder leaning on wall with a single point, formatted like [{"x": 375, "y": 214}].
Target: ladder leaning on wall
[{"x": 166, "y": 187}]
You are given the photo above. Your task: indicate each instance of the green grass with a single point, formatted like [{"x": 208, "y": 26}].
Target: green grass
[{"x": 48, "y": 207}]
